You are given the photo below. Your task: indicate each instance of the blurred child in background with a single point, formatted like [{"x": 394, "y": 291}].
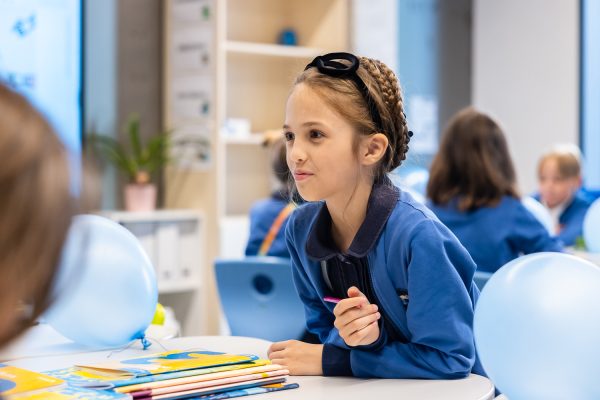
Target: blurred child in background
[
  {"x": 472, "y": 189},
  {"x": 559, "y": 178},
  {"x": 36, "y": 207},
  {"x": 268, "y": 217}
]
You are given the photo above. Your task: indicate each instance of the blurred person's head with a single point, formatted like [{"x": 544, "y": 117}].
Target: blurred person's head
[
  {"x": 473, "y": 163},
  {"x": 559, "y": 174},
  {"x": 275, "y": 142},
  {"x": 36, "y": 207}
]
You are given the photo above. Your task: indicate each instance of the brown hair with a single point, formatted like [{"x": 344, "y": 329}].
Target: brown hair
[
  {"x": 279, "y": 162},
  {"x": 473, "y": 163},
  {"x": 568, "y": 160},
  {"x": 275, "y": 143},
  {"x": 343, "y": 96},
  {"x": 35, "y": 209}
]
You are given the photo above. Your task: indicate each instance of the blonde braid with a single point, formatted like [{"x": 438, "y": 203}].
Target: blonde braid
[{"x": 395, "y": 118}]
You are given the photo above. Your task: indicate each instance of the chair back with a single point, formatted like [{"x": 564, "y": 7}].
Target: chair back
[{"x": 259, "y": 298}]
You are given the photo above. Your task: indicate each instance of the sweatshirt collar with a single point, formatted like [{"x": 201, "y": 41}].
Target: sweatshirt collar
[{"x": 382, "y": 200}]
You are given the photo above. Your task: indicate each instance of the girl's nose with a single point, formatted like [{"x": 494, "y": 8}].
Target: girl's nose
[{"x": 296, "y": 153}]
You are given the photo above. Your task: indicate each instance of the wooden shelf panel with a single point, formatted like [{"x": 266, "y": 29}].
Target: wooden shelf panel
[
  {"x": 254, "y": 139},
  {"x": 180, "y": 286},
  {"x": 271, "y": 50},
  {"x": 258, "y": 87},
  {"x": 320, "y": 24}
]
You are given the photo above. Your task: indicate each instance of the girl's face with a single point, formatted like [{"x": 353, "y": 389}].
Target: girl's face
[
  {"x": 554, "y": 188},
  {"x": 319, "y": 145}
]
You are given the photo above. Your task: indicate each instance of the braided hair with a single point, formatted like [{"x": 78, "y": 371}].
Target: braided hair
[
  {"x": 388, "y": 86},
  {"x": 344, "y": 97}
]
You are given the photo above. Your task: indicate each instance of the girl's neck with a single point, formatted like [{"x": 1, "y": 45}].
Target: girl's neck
[{"x": 348, "y": 214}]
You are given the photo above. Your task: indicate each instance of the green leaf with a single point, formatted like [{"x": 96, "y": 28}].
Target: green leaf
[
  {"x": 133, "y": 128},
  {"x": 112, "y": 151},
  {"x": 157, "y": 155},
  {"x": 139, "y": 156}
]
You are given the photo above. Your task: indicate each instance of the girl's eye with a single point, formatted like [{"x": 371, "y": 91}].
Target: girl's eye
[
  {"x": 316, "y": 135},
  {"x": 288, "y": 136}
]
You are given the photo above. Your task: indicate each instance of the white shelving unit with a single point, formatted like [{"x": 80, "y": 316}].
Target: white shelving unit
[{"x": 174, "y": 242}]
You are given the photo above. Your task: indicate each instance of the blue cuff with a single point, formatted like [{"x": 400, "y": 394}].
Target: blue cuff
[
  {"x": 336, "y": 361},
  {"x": 379, "y": 343}
]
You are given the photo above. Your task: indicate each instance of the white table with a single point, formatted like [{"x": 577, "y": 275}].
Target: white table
[{"x": 311, "y": 387}]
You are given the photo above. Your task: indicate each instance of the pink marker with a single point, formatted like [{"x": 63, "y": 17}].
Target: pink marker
[{"x": 332, "y": 299}]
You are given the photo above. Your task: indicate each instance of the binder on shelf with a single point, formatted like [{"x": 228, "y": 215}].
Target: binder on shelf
[
  {"x": 167, "y": 236},
  {"x": 189, "y": 251},
  {"x": 145, "y": 232}
]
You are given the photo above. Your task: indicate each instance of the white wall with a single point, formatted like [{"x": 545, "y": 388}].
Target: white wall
[
  {"x": 526, "y": 74},
  {"x": 374, "y": 30}
]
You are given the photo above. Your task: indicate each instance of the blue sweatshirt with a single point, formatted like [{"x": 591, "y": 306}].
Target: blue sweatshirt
[
  {"x": 571, "y": 219},
  {"x": 262, "y": 216},
  {"x": 496, "y": 235},
  {"x": 421, "y": 277}
]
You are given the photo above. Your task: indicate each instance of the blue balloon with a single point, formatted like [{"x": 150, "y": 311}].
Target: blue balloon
[
  {"x": 106, "y": 290},
  {"x": 536, "y": 328},
  {"x": 591, "y": 227}
]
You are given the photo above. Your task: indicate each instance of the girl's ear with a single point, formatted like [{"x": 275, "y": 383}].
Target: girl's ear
[{"x": 373, "y": 148}]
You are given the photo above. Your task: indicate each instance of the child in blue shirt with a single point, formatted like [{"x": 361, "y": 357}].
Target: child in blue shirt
[
  {"x": 404, "y": 283},
  {"x": 472, "y": 190},
  {"x": 268, "y": 217},
  {"x": 559, "y": 178},
  {"x": 35, "y": 209}
]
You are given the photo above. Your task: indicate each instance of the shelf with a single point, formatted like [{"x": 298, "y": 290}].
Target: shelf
[
  {"x": 152, "y": 216},
  {"x": 253, "y": 139},
  {"x": 271, "y": 50},
  {"x": 179, "y": 286}
]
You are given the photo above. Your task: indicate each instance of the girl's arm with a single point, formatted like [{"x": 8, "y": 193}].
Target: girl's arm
[
  {"x": 529, "y": 235},
  {"x": 439, "y": 311},
  {"x": 303, "y": 358}
]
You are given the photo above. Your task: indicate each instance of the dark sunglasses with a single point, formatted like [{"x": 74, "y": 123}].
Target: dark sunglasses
[{"x": 327, "y": 65}]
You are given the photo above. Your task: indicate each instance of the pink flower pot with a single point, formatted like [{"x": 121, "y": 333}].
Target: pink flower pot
[{"x": 140, "y": 197}]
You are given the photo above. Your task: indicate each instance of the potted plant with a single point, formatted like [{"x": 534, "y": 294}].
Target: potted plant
[{"x": 137, "y": 160}]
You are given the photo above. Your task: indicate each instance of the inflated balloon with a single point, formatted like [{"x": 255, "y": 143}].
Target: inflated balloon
[
  {"x": 106, "y": 291},
  {"x": 591, "y": 227},
  {"x": 159, "y": 315},
  {"x": 540, "y": 212},
  {"x": 536, "y": 328}
]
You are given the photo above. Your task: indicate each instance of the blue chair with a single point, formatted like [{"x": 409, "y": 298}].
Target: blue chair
[
  {"x": 480, "y": 278},
  {"x": 259, "y": 298}
]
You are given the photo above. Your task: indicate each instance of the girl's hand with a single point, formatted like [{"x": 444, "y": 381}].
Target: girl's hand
[
  {"x": 356, "y": 319},
  {"x": 298, "y": 357}
]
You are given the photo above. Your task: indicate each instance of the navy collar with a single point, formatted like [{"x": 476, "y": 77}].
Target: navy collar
[{"x": 320, "y": 245}]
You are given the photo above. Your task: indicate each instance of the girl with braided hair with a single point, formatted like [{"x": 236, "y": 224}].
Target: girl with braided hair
[{"x": 402, "y": 282}]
